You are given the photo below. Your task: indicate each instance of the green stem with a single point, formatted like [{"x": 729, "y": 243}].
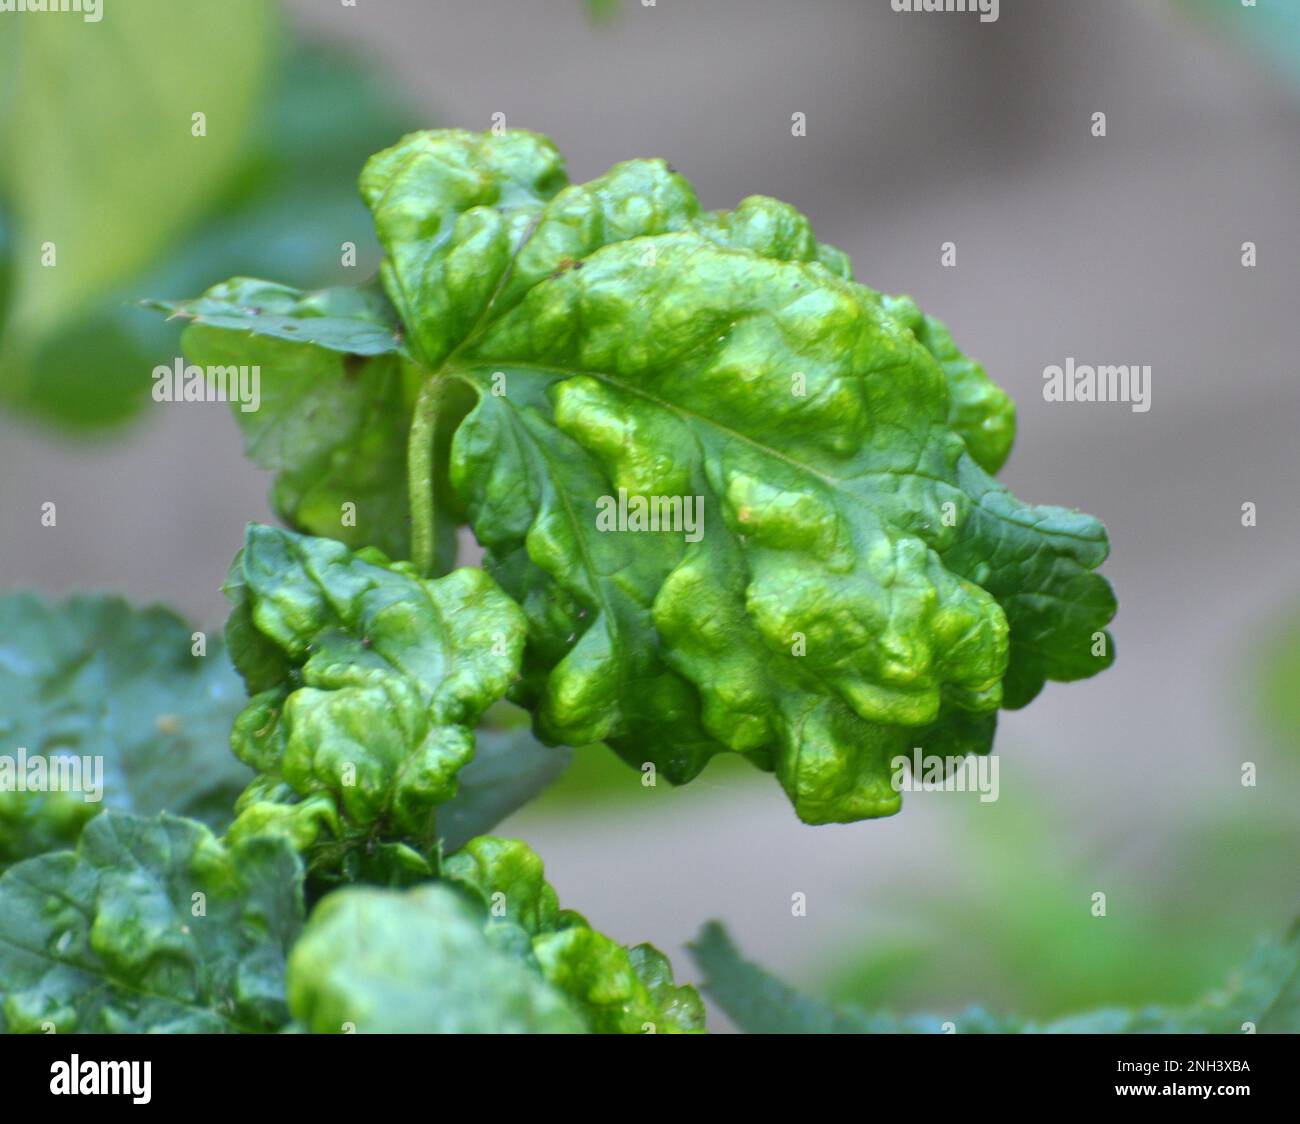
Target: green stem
[{"x": 419, "y": 477}]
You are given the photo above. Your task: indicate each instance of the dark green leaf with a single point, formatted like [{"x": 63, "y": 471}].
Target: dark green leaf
[
  {"x": 150, "y": 925},
  {"x": 120, "y": 691}
]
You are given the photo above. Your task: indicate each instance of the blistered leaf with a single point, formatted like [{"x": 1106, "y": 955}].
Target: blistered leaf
[
  {"x": 744, "y": 502},
  {"x": 150, "y": 925},
  {"x": 979, "y": 410},
  {"x": 111, "y": 700},
  {"x": 367, "y": 684},
  {"x": 1264, "y": 997},
  {"x": 619, "y": 990},
  {"x": 856, "y": 583}
]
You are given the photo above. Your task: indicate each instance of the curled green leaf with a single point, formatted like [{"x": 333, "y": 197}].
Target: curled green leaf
[
  {"x": 367, "y": 684},
  {"x": 619, "y": 990},
  {"x": 857, "y": 583}
]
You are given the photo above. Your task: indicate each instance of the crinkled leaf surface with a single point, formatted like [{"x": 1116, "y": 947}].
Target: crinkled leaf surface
[
  {"x": 979, "y": 410},
  {"x": 1264, "y": 996},
  {"x": 391, "y": 962},
  {"x": 619, "y": 990},
  {"x": 150, "y": 925},
  {"x": 857, "y": 584},
  {"x": 488, "y": 950},
  {"x": 94, "y": 678},
  {"x": 861, "y": 584},
  {"x": 367, "y": 682}
]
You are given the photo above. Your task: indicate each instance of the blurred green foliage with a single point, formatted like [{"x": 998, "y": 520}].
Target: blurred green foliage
[
  {"x": 103, "y": 161},
  {"x": 1015, "y": 927},
  {"x": 1011, "y": 924},
  {"x": 603, "y": 9},
  {"x": 1270, "y": 28},
  {"x": 147, "y": 208},
  {"x": 1278, "y": 683},
  {"x": 1262, "y": 995}
]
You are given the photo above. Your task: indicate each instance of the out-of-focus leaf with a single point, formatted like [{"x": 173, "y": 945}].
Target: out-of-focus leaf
[
  {"x": 95, "y": 680},
  {"x": 102, "y": 163},
  {"x": 387, "y": 962},
  {"x": 6, "y": 261},
  {"x": 1278, "y": 673},
  {"x": 1264, "y": 997},
  {"x": 85, "y": 144},
  {"x": 286, "y": 207},
  {"x": 150, "y": 925},
  {"x": 603, "y": 10}
]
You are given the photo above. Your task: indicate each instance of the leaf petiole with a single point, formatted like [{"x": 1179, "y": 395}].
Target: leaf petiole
[{"x": 419, "y": 476}]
